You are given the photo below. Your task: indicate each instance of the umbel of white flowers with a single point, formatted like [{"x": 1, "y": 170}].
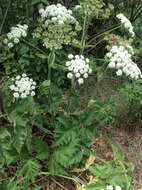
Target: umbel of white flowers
[
  {"x": 120, "y": 59},
  {"x": 127, "y": 24},
  {"x": 23, "y": 86},
  {"x": 13, "y": 37},
  {"x": 78, "y": 68},
  {"x": 57, "y": 13}
]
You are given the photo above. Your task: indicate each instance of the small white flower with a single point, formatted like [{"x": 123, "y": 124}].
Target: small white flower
[
  {"x": 109, "y": 187},
  {"x": 41, "y": 11},
  {"x": 77, "y": 75},
  {"x": 80, "y": 81},
  {"x": 23, "y": 95},
  {"x": 61, "y": 22},
  {"x": 16, "y": 94},
  {"x": 70, "y": 56},
  {"x": 119, "y": 73},
  {"x": 32, "y": 93},
  {"x": 77, "y": 7},
  {"x": 5, "y": 41},
  {"x": 18, "y": 77},
  {"x": 69, "y": 75},
  {"x": 54, "y": 19},
  {"x": 111, "y": 65},
  {"x": 10, "y": 45},
  {"x": 87, "y": 60},
  {"x": 16, "y": 89},
  {"x": 81, "y": 71},
  {"x": 24, "y": 75},
  {"x": 68, "y": 63},
  {"x": 12, "y": 87},
  {"x": 117, "y": 187},
  {"x": 77, "y": 57},
  {"x": 109, "y": 54},
  {"x": 16, "y": 40},
  {"x": 32, "y": 87},
  {"x": 85, "y": 75},
  {"x": 90, "y": 71}
]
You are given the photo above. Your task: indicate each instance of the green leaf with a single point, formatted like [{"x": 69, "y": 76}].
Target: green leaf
[
  {"x": 54, "y": 167},
  {"x": 117, "y": 156},
  {"x": 4, "y": 133},
  {"x": 34, "y": 2},
  {"x": 59, "y": 67},
  {"x": 36, "y": 188},
  {"x": 42, "y": 56},
  {"x": 20, "y": 135},
  {"x": 101, "y": 171},
  {"x": 89, "y": 117},
  {"x": 41, "y": 148},
  {"x": 29, "y": 169}
]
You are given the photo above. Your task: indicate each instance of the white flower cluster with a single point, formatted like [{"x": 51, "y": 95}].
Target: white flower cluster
[
  {"x": 120, "y": 59},
  {"x": 78, "y": 7},
  {"x": 57, "y": 13},
  {"x": 23, "y": 86},
  {"x": 78, "y": 67},
  {"x": 109, "y": 187},
  {"x": 13, "y": 37},
  {"x": 126, "y": 22}
]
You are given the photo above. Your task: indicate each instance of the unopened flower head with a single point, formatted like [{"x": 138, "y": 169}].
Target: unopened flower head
[
  {"x": 23, "y": 86},
  {"x": 121, "y": 60},
  {"x": 78, "y": 68},
  {"x": 13, "y": 37},
  {"x": 127, "y": 24}
]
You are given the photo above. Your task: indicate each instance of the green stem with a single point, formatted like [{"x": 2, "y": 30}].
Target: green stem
[
  {"x": 31, "y": 45},
  {"x": 103, "y": 33},
  {"x": 66, "y": 177},
  {"x": 51, "y": 60},
  {"x": 73, "y": 83},
  {"x": 83, "y": 35}
]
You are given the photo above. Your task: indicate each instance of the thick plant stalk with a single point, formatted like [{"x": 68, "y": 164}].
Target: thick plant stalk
[
  {"x": 83, "y": 35},
  {"x": 51, "y": 60}
]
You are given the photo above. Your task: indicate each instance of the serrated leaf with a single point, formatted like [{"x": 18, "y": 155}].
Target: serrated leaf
[
  {"x": 41, "y": 148},
  {"x": 19, "y": 138},
  {"x": 29, "y": 169},
  {"x": 54, "y": 167},
  {"x": 4, "y": 133}
]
